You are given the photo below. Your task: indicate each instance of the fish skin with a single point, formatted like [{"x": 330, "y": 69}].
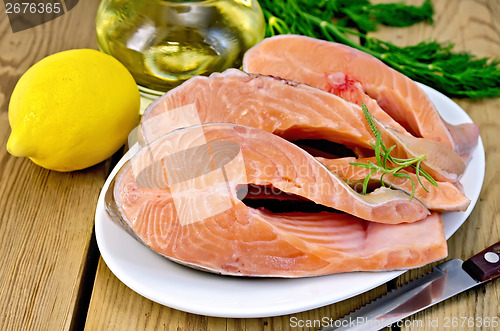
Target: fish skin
[
  {"x": 296, "y": 111},
  {"x": 319, "y": 63}
]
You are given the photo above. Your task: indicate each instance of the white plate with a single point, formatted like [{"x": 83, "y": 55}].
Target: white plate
[{"x": 176, "y": 286}]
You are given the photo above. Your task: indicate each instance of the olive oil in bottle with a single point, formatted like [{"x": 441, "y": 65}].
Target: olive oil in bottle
[{"x": 164, "y": 43}]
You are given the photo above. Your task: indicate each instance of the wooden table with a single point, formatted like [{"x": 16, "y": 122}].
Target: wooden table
[{"x": 52, "y": 277}]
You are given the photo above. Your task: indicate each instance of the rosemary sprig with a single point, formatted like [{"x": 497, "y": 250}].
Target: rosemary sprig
[
  {"x": 382, "y": 155},
  {"x": 457, "y": 74}
]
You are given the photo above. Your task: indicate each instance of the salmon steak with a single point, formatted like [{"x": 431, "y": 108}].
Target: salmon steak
[
  {"x": 181, "y": 195},
  {"x": 297, "y": 111},
  {"x": 360, "y": 78}
]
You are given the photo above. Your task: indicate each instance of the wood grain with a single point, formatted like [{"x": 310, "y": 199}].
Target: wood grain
[
  {"x": 46, "y": 217},
  {"x": 474, "y": 26},
  {"x": 115, "y": 307}
]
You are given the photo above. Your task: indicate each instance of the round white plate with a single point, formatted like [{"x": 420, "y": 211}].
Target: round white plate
[{"x": 176, "y": 286}]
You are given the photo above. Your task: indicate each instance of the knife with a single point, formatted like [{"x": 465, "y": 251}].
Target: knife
[{"x": 444, "y": 281}]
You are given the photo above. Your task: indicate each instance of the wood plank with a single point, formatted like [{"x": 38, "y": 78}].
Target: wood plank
[
  {"x": 22, "y": 49},
  {"x": 474, "y": 26},
  {"x": 481, "y": 229},
  {"x": 116, "y": 307},
  {"x": 46, "y": 217}
]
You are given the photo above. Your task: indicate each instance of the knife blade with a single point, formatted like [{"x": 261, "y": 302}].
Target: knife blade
[{"x": 444, "y": 281}]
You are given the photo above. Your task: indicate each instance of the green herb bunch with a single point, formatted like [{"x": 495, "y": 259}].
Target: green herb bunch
[
  {"x": 457, "y": 74},
  {"x": 384, "y": 159}
]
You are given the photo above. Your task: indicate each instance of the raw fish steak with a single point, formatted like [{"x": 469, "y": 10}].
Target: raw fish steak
[
  {"x": 358, "y": 77},
  {"x": 297, "y": 111},
  {"x": 180, "y": 196}
]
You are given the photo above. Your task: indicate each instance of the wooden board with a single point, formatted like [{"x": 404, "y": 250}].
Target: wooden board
[
  {"x": 115, "y": 307},
  {"x": 46, "y": 217},
  {"x": 473, "y": 26}
]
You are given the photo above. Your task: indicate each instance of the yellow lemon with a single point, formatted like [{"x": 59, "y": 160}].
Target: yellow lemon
[{"x": 72, "y": 110}]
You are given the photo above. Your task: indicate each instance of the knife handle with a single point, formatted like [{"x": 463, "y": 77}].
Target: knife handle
[{"x": 485, "y": 265}]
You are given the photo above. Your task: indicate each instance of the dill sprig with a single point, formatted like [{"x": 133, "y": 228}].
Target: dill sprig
[
  {"x": 457, "y": 74},
  {"x": 384, "y": 159},
  {"x": 366, "y": 16}
]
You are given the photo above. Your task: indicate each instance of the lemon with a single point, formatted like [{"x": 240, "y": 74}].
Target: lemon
[{"x": 72, "y": 110}]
